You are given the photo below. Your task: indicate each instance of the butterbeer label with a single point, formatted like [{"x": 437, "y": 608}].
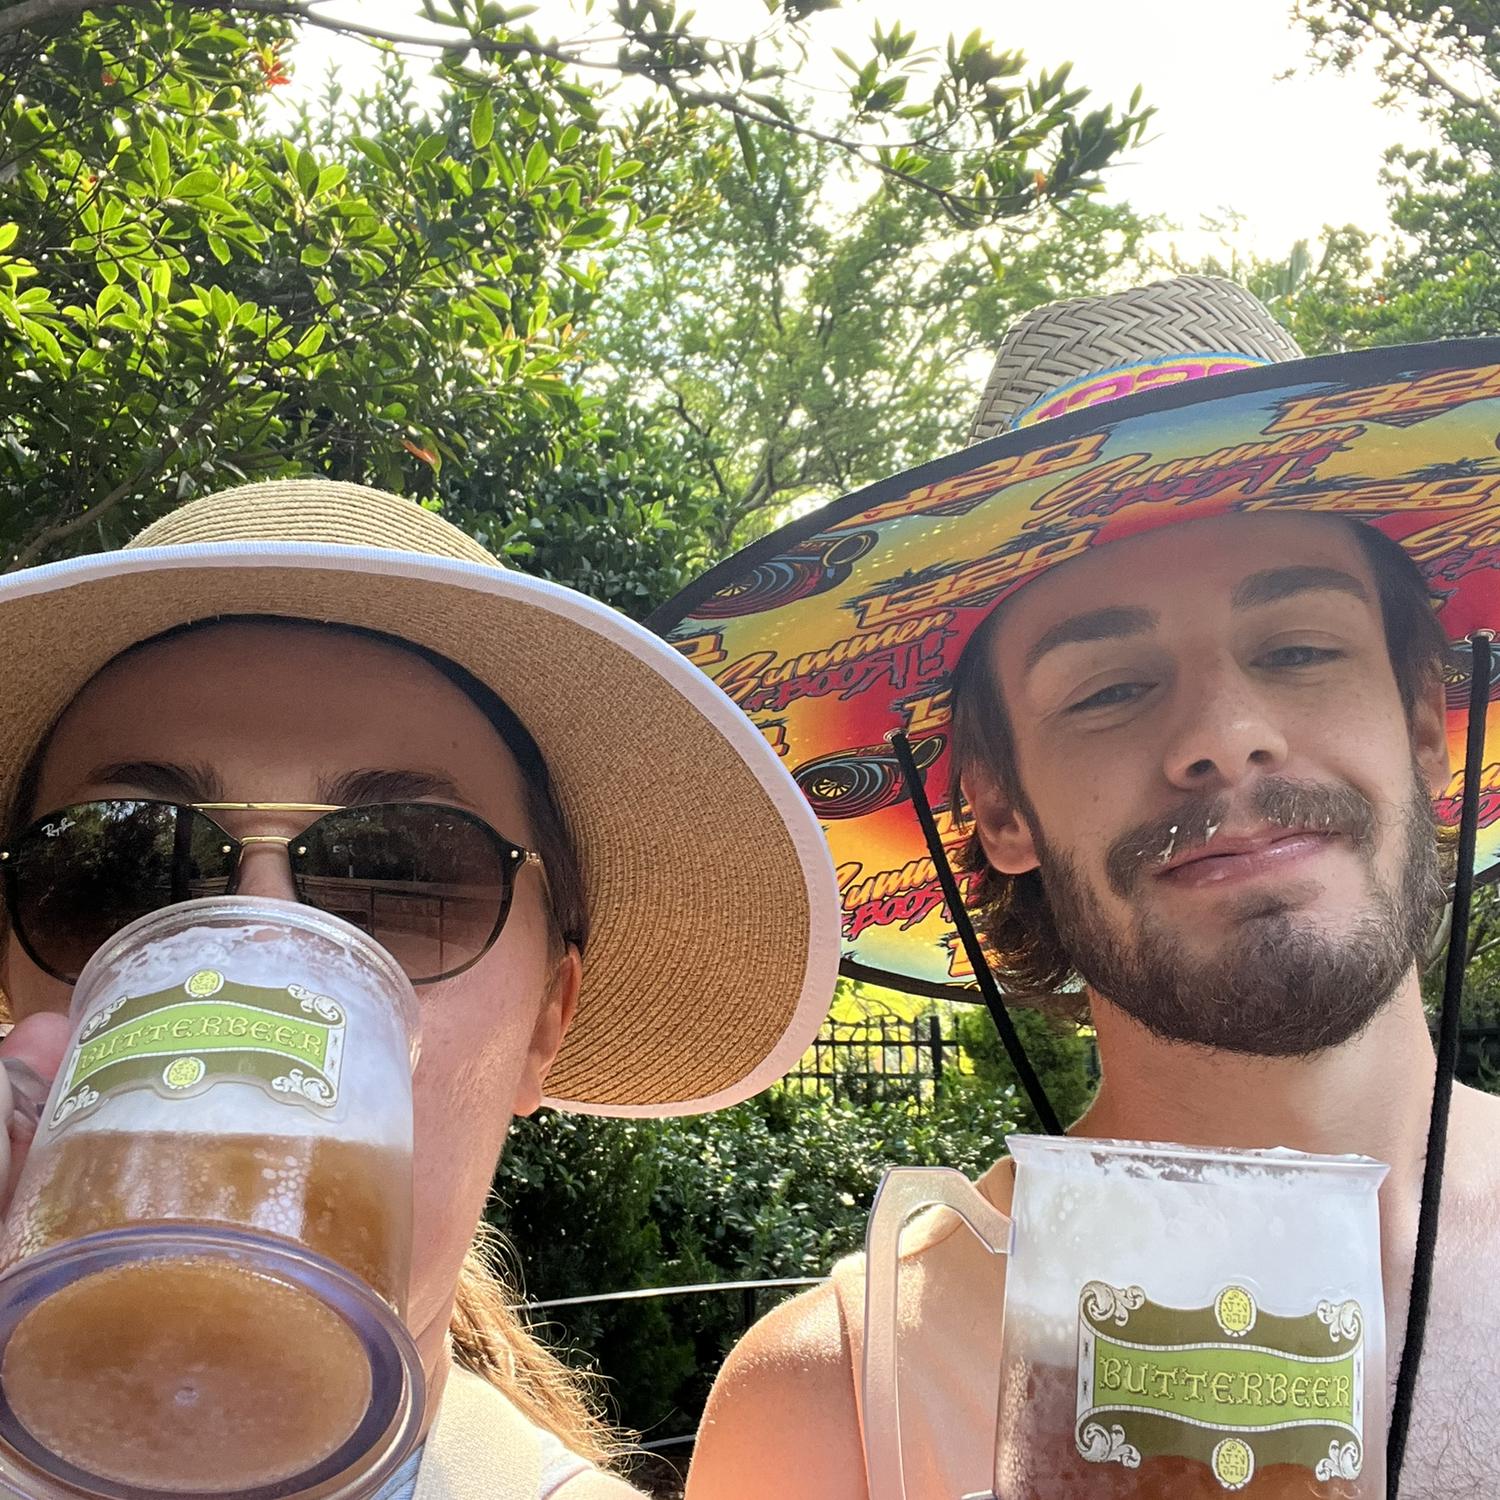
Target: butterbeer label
[
  {"x": 1230, "y": 1384},
  {"x": 182, "y": 1041}
]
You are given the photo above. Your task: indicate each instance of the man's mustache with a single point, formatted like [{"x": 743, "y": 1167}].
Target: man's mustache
[{"x": 1277, "y": 800}]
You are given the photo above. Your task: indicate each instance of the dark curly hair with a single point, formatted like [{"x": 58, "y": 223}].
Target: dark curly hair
[{"x": 1011, "y": 912}]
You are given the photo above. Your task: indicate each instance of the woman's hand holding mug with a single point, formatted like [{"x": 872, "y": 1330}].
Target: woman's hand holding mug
[{"x": 31, "y": 1055}]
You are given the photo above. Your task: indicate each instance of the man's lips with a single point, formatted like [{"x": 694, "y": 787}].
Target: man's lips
[{"x": 1230, "y": 858}]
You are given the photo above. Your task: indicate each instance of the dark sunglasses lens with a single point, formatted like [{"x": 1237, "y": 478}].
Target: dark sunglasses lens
[
  {"x": 430, "y": 884},
  {"x": 78, "y": 876}
]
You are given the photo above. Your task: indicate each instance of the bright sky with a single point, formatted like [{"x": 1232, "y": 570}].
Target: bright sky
[{"x": 1290, "y": 155}]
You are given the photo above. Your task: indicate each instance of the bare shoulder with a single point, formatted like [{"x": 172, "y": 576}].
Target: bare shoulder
[
  {"x": 1484, "y": 1106},
  {"x": 1475, "y": 1128},
  {"x": 781, "y": 1423}
]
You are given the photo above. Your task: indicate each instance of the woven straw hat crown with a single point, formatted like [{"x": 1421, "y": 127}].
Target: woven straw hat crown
[
  {"x": 322, "y": 511},
  {"x": 1060, "y": 346}
]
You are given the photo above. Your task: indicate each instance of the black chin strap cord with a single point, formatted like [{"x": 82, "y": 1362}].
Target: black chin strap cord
[
  {"x": 959, "y": 913},
  {"x": 1447, "y": 1064}
]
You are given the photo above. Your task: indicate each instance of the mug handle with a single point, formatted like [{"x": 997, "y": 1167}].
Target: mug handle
[{"x": 905, "y": 1191}]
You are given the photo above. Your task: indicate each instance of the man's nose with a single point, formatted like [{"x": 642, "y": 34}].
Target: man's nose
[
  {"x": 265, "y": 869},
  {"x": 1225, "y": 733}
]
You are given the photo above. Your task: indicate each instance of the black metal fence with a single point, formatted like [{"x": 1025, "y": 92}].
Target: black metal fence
[
  {"x": 881, "y": 1057},
  {"x": 886, "y": 1057}
]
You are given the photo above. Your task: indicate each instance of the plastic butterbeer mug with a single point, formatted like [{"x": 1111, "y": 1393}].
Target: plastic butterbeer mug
[
  {"x": 1192, "y": 1323},
  {"x": 208, "y": 1251}
]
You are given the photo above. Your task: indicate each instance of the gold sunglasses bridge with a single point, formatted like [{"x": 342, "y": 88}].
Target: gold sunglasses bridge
[
  {"x": 317, "y": 807},
  {"x": 519, "y": 855}
]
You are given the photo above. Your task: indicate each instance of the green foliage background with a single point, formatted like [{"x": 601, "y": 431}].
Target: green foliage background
[
  {"x": 776, "y": 1187},
  {"x": 196, "y": 289}
]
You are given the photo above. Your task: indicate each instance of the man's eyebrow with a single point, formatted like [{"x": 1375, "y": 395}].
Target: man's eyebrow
[
  {"x": 358, "y": 788},
  {"x": 1096, "y": 625},
  {"x": 161, "y": 778},
  {"x": 1282, "y": 583}
]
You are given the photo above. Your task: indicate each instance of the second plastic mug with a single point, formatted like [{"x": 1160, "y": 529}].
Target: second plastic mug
[
  {"x": 1183, "y": 1322},
  {"x": 207, "y": 1256}
]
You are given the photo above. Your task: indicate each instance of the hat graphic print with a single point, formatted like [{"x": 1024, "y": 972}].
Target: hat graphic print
[{"x": 1112, "y": 417}]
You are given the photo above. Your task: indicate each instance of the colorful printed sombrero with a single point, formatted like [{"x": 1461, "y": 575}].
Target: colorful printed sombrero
[{"x": 846, "y": 624}]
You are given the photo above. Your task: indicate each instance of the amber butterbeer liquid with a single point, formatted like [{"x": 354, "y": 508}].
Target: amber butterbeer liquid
[
  {"x": 193, "y": 1373},
  {"x": 1038, "y": 1457},
  {"x": 186, "y": 1375}
]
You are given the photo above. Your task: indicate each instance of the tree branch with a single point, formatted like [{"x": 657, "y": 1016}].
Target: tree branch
[
  {"x": 28, "y": 13},
  {"x": 44, "y": 540},
  {"x": 1414, "y": 54},
  {"x": 679, "y": 402}
]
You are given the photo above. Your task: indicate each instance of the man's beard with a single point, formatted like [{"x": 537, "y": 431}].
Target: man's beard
[{"x": 1277, "y": 987}]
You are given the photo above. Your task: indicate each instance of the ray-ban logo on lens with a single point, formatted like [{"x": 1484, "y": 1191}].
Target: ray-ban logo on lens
[{"x": 57, "y": 829}]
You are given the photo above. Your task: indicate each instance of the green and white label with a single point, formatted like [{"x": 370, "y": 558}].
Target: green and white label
[
  {"x": 1231, "y": 1385},
  {"x": 205, "y": 1031}
]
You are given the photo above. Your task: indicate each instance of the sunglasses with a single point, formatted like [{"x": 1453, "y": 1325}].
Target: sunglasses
[{"x": 431, "y": 884}]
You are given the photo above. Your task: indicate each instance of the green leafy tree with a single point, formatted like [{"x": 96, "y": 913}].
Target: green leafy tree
[
  {"x": 1061, "y": 1052},
  {"x": 909, "y": 112},
  {"x": 190, "y": 294},
  {"x": 192, "y": 299},
  {"x": 1441, "y": 279},
  {"x": 622, "y": 514},
  {"x": 1479, "y": 1006},
  {"x": 777, "y": 1187},
  {"x": 803, "y": 351}
]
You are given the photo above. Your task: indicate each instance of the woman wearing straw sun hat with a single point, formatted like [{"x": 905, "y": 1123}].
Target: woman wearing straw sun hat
[
  {"x": 1176, "y": 671},
  {"x": 324, "y": 645}
]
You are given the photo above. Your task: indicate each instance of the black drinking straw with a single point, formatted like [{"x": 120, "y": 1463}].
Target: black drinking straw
[
  {"x": 1447, "y": 1064},
  {"x": 959, "y": 914}
]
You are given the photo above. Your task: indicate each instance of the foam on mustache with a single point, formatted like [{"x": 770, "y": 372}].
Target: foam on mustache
[{"x": 1278, "y": 801}]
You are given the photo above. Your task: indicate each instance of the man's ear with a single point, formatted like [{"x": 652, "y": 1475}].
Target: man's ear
[
  {"x": 1004, "y": 832},
  {"x": 558, "y": 1008},
  {"x": 1429, "y": 737}
]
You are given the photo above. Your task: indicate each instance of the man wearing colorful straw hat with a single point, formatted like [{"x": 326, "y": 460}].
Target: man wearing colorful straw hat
[
  {"x": 1183, "y": 678},
  {"x": 311, "y": 654}
]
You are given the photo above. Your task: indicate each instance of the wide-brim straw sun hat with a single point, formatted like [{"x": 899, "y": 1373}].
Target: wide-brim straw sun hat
[
  {"x": 1104, "y": 418},
  {"x": 712, "y": 950}
]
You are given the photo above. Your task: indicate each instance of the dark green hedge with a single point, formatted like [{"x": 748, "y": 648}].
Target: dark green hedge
[{"x": 779, "y": 1186}]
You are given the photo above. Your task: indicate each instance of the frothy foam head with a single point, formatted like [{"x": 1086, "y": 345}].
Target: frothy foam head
[{"x": 1182, "y": 1224}]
